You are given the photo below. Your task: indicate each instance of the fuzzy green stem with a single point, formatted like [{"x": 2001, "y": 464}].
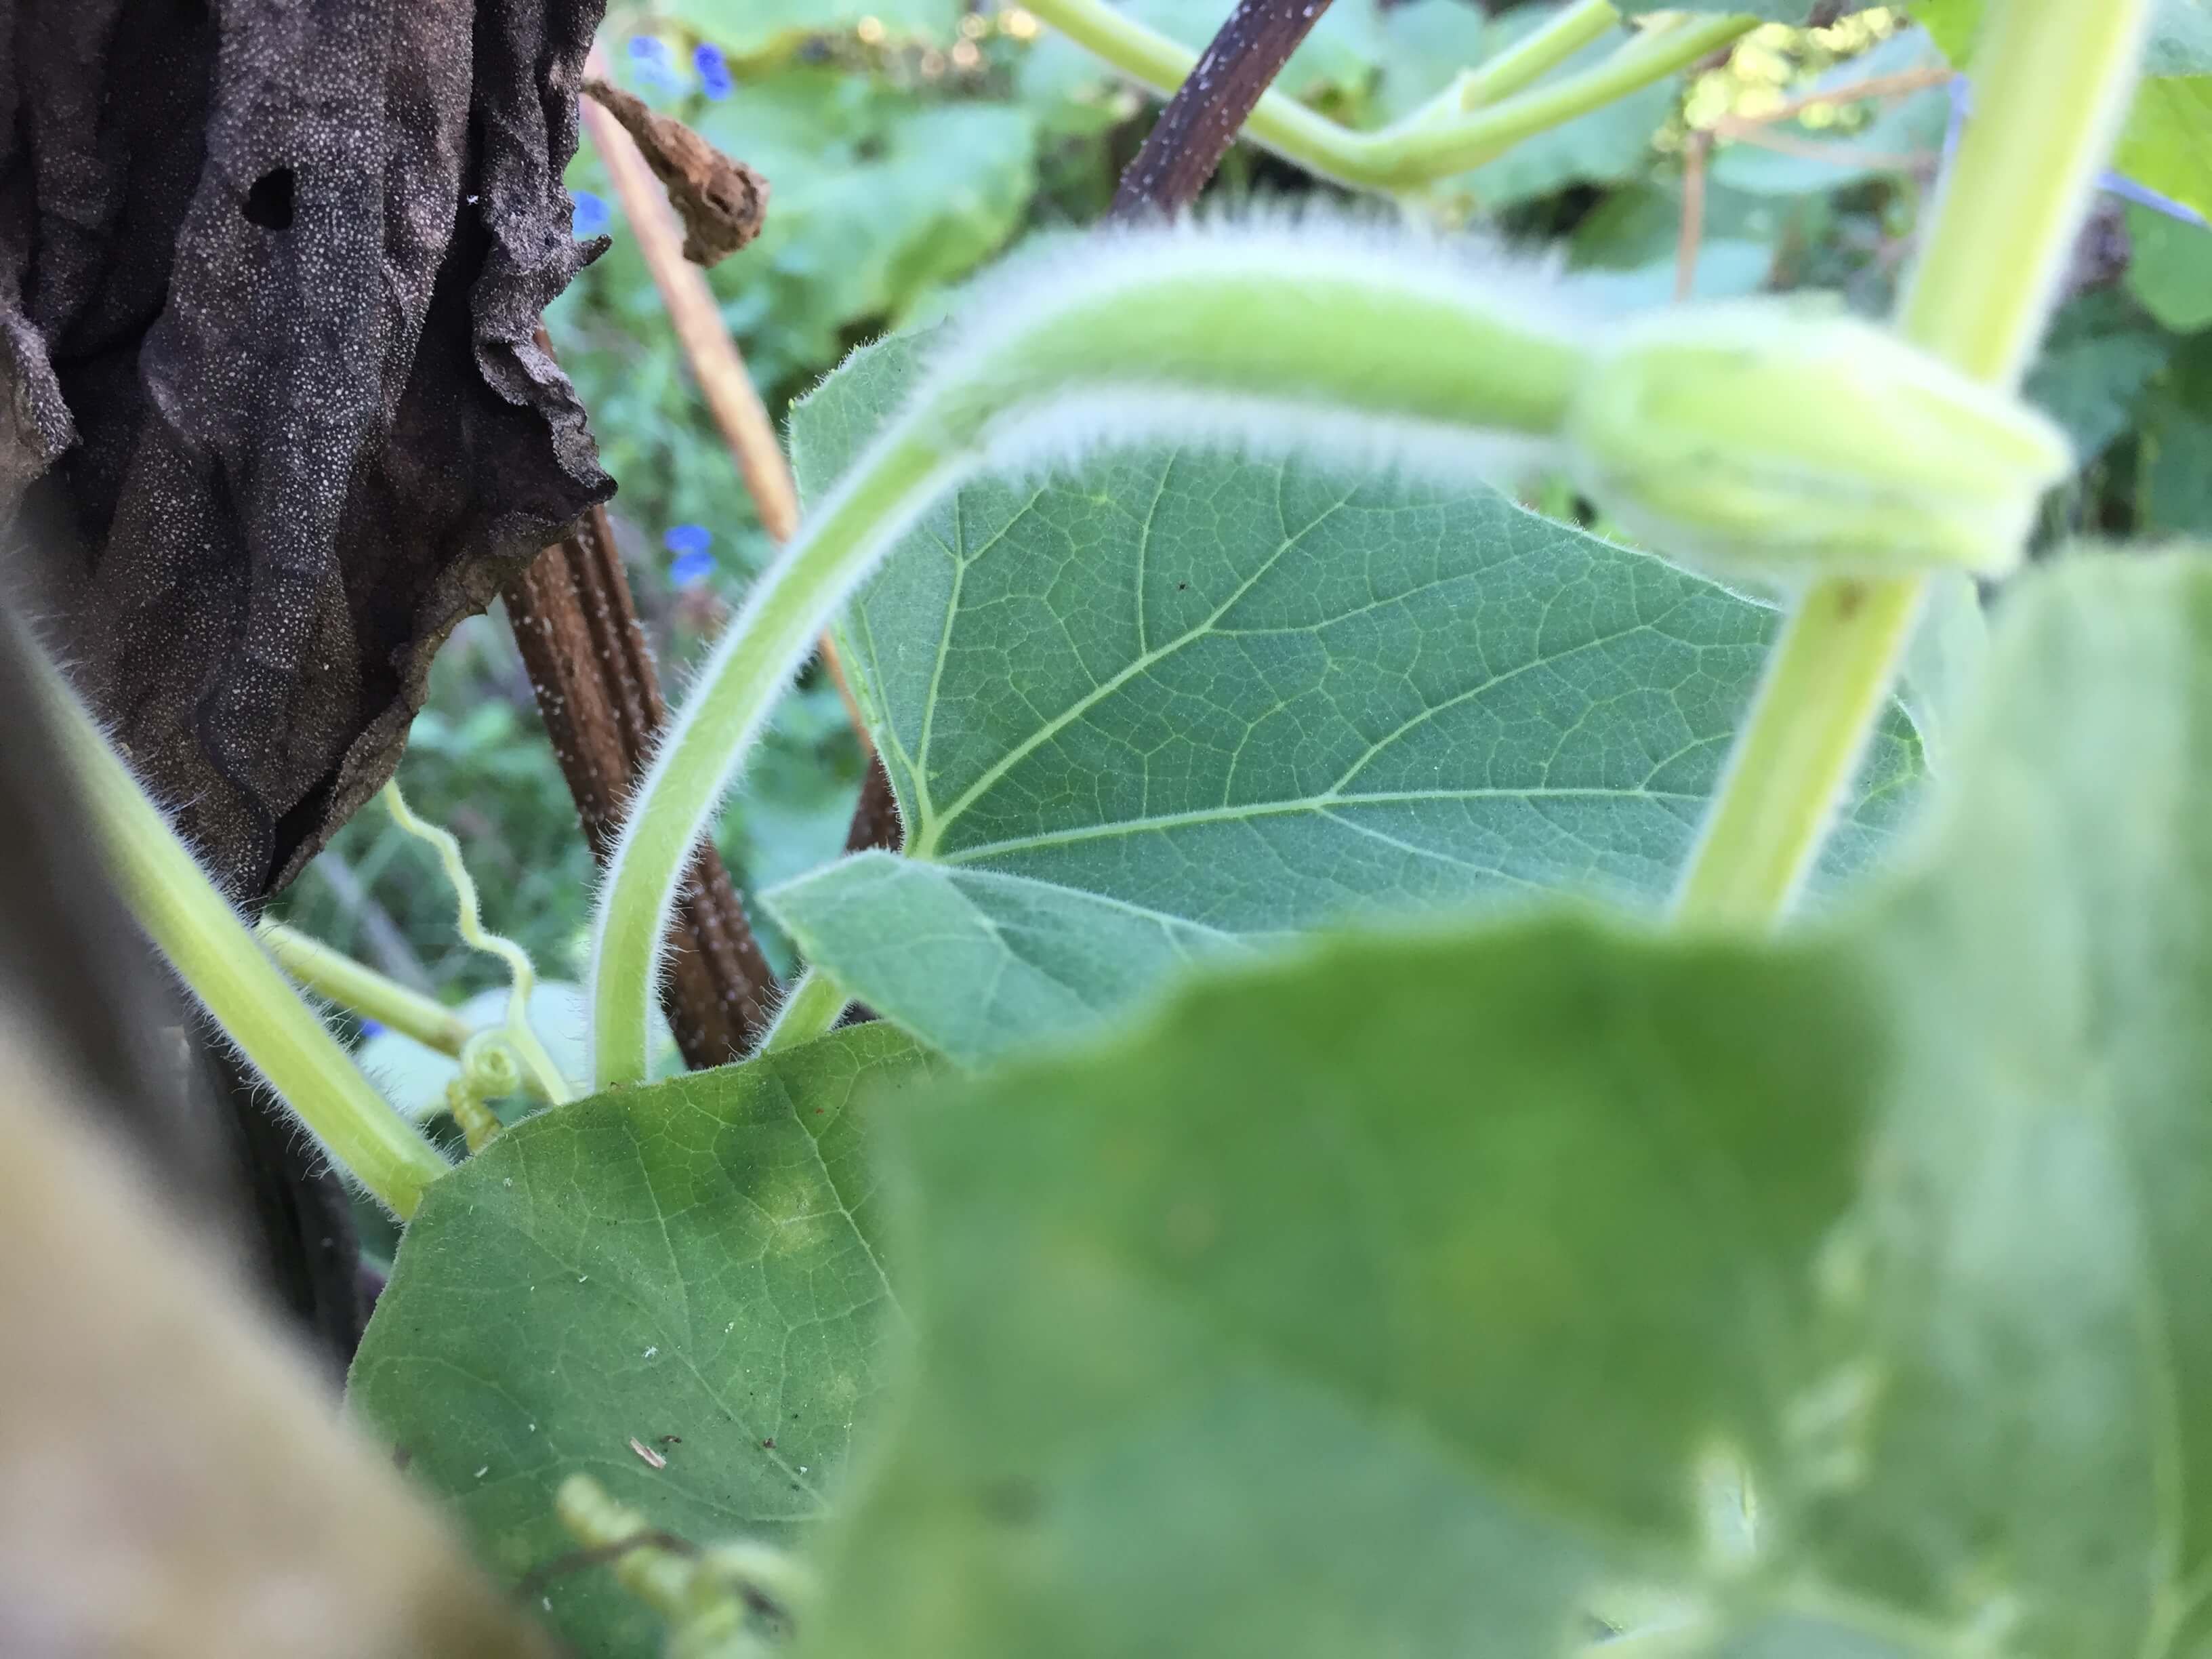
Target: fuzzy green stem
[
  {"x": 361, "y": 990},
  {"x": 538, "y": 1071},
  {"x": 1433, "y": 143},
  {"x": 811, "y": 1010},
  {"x": 218, "y": 957},
  {"x": 759, "y": 652},
  {"x": 1346, "y": 334},
  {"x": 1537, "y": 53},
  {"x": 2055, "y": 79}
]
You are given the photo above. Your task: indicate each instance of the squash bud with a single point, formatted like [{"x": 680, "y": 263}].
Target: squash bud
[{"x": 1774, "y": 439}]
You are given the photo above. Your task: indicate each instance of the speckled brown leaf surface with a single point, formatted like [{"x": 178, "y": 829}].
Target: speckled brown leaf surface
[{"x": 269, "y": 394}]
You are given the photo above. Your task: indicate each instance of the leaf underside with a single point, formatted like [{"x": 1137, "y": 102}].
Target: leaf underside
[{"x": 1235, "y": 699}]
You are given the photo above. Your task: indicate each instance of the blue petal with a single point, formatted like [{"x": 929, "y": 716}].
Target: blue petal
[
  {"x": 2120, "y": 185},
  {"x": 685, "y": 540},
  {"x": 692, "y": 568},
  {"x": 592, "y": 215}
]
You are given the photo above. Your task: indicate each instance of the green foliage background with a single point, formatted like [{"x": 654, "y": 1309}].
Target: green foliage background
[{"x": 910, "y": 142}]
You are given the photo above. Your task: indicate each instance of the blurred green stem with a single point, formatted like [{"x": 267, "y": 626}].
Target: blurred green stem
[
  {"x": 216, "y": 955},
  {"x": 361, "y": 990},
  {"x": 2054, "y": 81},
  {"x": 1480, "y": 118},
  {"x": 538, "y": 1071},
  {"x": 811, "y": 1010}
]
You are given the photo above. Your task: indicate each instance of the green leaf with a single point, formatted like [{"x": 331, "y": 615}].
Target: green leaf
[
  {"x": 2176, "y": 496},
  {"x": 984, "y": 960},
  {"x": 1251, "y": 697},
  {"x": 2167, "y": 145},
  {"x": 2170, "y": 268},
  {"x": 1427, "y": 1294},
  {"x": 693, "y": 1266},
  {"x": 752, "y": 27},
  {"x": 2095, "y": 366}
]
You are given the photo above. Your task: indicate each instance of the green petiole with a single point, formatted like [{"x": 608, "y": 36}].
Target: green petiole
[
  {"x": 810, "y": 1010},
  {"x": 1484, "y": 114},
  {"x": 2056, "y": 76},
  {"x": 216, "y": 955},
  {"x": 361, "y": 990}
]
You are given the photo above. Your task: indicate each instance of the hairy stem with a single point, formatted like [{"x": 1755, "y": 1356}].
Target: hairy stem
[
  {"x": 810, "y": 1010},
  {"x": 360, "y": 989},
  {"x": 1434, "y": 142},
  {"x": 1536, "y": 54},
  {"x": 217, "y": 957},
  {"x": 2056, "y": 77}
]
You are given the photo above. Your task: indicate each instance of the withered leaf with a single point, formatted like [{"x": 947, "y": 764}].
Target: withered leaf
[
  {"x": 269, "y": 278},
  {"x": 720, "y": 201}
]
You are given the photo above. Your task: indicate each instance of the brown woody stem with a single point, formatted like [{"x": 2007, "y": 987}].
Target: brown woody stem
[{"x": 600, "y": 695}]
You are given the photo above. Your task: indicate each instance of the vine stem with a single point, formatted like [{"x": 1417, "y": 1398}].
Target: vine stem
[
  {"x": 360, "y": 988},
  {"x": 216, "y": 954},
  {"x": 2056, "y": 78},
  {"x": 1444, "y": 136},
  {"x": 810, "y": 1010}
]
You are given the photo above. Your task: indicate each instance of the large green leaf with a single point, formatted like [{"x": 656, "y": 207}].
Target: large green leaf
[
  {"x": 1251, "y": 697},
  {"x": 692, "y": 1266},
  {"x": 1422, "y": 1295}
]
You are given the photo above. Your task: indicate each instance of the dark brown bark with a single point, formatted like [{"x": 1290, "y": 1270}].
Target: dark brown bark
[
  {"x": 599, "y": 693},
  {"x": 269, "y": 277},
  {"x": 875, "y": 818},
  {"x": 1210, "y": 109}
]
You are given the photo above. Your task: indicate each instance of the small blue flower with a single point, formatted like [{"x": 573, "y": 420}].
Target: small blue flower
[
  {"x": 370, "y": 1028},
  {"x": 694, "y": 562},
  {"x": 592, "y": 215},
  {"x": 713, "y": 70},
  {"x": 648, "y": 54}
]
